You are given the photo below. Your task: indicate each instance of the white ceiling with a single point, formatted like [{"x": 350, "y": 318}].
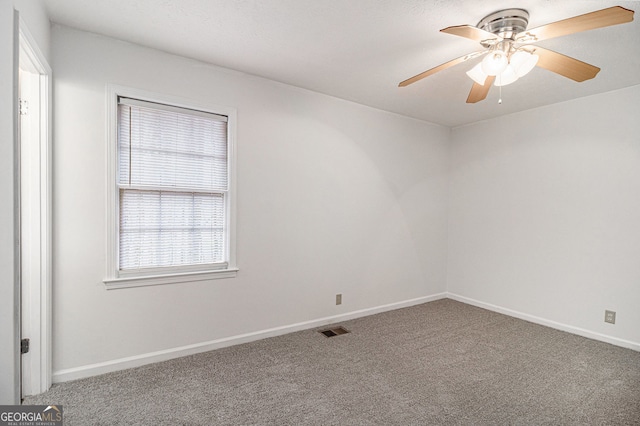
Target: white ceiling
[{"x": 360, "y": 50}]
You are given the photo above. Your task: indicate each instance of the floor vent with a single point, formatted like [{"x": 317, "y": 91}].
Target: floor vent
[{"x": 336, "y": 331}]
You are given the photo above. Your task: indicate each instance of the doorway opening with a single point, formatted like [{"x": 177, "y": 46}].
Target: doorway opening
[{"x": 34, "y": 130}]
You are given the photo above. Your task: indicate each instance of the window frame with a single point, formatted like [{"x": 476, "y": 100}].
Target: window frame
[{"x": 116, "y": 278}]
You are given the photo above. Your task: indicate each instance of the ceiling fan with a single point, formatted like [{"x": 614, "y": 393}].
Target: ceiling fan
[{"x": 509, "y": 53}]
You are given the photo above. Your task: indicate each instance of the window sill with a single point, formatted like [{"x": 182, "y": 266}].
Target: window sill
[{"x": 185, "y": 277}]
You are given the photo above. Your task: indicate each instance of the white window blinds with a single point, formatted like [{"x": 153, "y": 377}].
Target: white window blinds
[{"x": 172, "y": 180}]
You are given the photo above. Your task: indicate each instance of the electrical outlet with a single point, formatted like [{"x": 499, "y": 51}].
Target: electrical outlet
[
  {"x": 338, "y": 299},
  {"x": 610, "y": 317}
]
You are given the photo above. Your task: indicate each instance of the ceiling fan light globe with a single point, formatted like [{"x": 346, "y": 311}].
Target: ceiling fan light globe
[
  {"x": 518, "y": 58},
  {"x": 494, "y": 63},
  {"x": 507, "y": 76},
  {"x": 527, "y": 65},
  {"x": 476, "y": 74}
]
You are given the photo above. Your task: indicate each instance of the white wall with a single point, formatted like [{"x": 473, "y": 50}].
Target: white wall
[
  {"x": 333, "y": 197},
  {"x": 544, "y": 217},
  {"x": 34, "y": 17},
  {"x": 8, "y": 338}
]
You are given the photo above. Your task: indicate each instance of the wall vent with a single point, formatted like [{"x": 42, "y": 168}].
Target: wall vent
[{"x": 334, "y": 331}]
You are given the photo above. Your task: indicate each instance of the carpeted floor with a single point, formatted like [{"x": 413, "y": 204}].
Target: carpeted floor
[{"x": 442, "y": 362}]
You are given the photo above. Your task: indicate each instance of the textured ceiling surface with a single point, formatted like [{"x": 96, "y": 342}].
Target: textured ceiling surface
[{"x": 360, "y": 50}]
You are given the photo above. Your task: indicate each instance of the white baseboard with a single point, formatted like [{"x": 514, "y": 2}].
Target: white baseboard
[
  {"x": 548, "y": 323},
  {"x": 164, "y": 355}
]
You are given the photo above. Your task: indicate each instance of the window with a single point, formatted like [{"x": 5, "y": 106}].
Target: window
[{"x": 171, "y": 193}]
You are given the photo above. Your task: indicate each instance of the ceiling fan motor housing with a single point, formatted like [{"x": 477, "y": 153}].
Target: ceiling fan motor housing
[{"x": 505, "y": 23}]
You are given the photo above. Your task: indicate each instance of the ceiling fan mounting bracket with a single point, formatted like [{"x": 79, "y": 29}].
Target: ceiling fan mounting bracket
[{"x": 504, "y": 23}]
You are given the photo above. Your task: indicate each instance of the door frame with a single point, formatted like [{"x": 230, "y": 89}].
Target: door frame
[{"x": 38, "y": 319}]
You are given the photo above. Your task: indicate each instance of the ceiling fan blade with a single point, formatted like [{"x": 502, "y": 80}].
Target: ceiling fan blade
[
  {"x": 589, "y": 21},
  {"x": 440, "y": 68},
  {"x": 479, "y": 92},
  {"x": 564, "y": 65},
  {"x": 472, "y": 33}
]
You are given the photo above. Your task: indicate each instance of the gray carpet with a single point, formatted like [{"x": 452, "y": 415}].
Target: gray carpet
[{"x": 442, "y": 362}]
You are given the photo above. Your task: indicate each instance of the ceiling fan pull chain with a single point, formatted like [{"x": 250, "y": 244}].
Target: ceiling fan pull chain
[{"x": 500, "y": 90}]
